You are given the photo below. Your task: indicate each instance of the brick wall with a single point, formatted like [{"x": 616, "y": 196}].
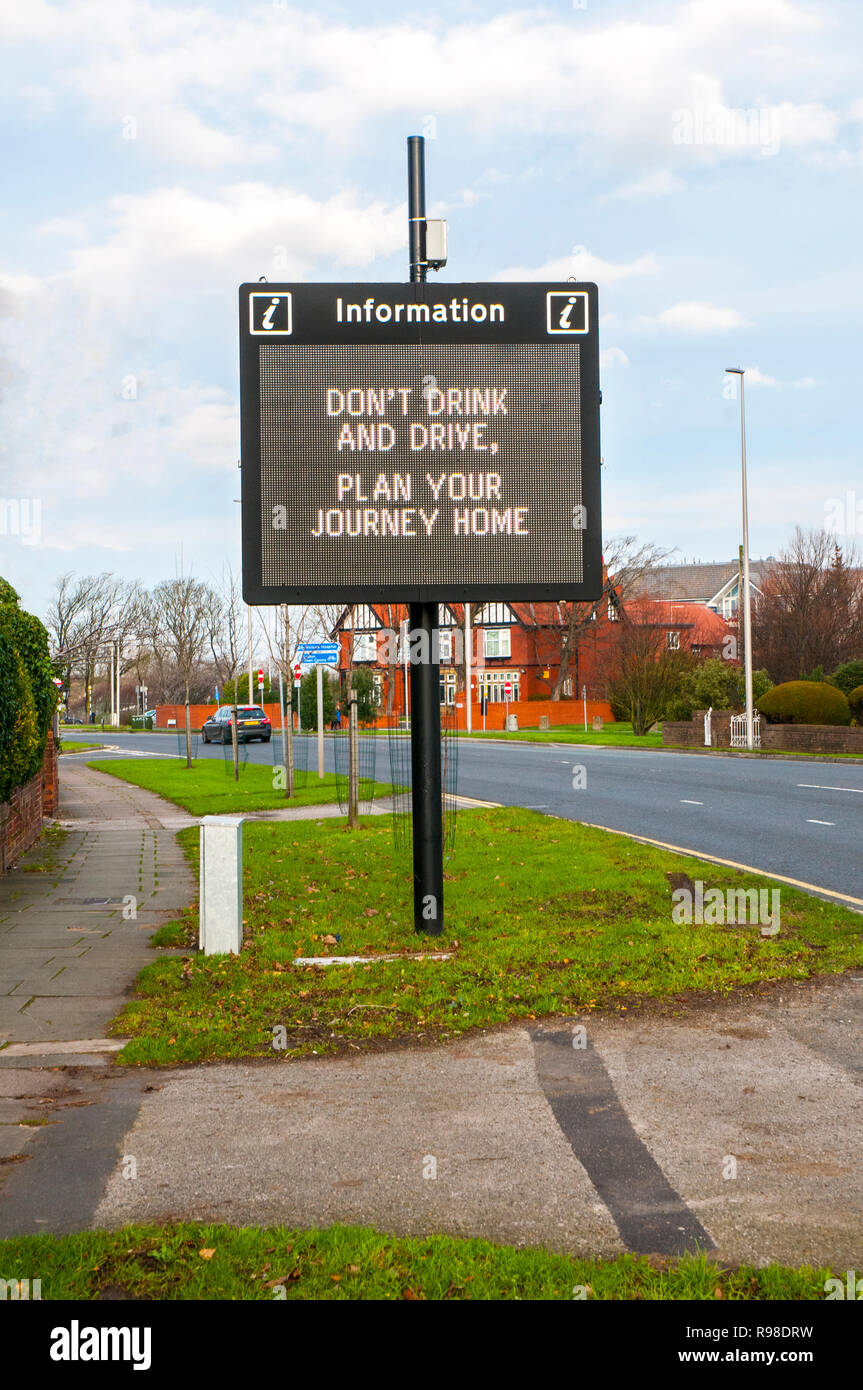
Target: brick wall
[
  {"x": 50, "y": 782},
  {"x": 21, "y": 817},
  {"x": 790, "y": 738},
  {"x": 813, "y": 738}
]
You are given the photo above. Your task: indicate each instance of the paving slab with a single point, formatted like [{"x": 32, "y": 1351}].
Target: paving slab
[{"x": 68, "y": 957}]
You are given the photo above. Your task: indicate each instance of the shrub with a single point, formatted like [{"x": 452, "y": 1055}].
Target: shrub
[
  {"x": 855, "y": 703},
  {"x": 805, "y": 702},
  {"x": 367, "y": 696},
  {"x": 28, "y": 695},
  {"x": 849, "y": 676}
]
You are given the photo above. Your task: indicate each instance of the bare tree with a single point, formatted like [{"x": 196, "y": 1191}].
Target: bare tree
[
  {"x": 626, "y": 564},
  {"x": 810, "y": 613},
  {"x": 643, "y": 674},
  {"x": 183, "y": 605}
]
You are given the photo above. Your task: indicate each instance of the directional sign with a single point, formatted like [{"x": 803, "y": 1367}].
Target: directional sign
[
  {"x": 416, "y": 442},
  {"x": 318, "y": 654}
]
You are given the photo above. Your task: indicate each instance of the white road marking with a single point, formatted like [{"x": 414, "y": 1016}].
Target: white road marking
[
  {"x": 684, "y": 802},
  {"x": 818, "y": 788},
  {"x": 820, "y": 822}
]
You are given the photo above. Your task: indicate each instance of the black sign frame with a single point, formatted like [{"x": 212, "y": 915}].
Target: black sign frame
[{"x": 307, "y": 314}]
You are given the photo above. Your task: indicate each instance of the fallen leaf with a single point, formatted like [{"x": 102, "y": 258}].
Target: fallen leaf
[{"x": 206, "y": 1254}]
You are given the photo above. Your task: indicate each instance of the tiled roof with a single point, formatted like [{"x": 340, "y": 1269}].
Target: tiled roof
[{"x": 696, "y": 583}]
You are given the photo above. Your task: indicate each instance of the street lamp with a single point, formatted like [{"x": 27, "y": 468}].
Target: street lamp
[{"x": 747, "y": 606}]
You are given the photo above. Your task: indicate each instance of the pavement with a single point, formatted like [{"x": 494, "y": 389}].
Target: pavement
[{"x": 730, "y": 1126}]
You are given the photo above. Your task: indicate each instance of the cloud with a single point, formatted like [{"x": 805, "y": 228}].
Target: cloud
[
  {"x": 174, "y": 239},
  {"x": 695, "y": 317},
  {"x": 217, "y": 89},
  {"x": 613, "y": 357},
  {"x": 755, "y": 377},
  {"x": 581, "y": 264},
  {"x": 655, "y": 185}
]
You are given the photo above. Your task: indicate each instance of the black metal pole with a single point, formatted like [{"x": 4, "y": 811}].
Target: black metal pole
[
  {"x": 417, "y": 207},
  {"x": 427, "y": 789}
]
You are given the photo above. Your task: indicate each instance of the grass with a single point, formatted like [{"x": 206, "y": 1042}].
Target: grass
[
  {"x": 208, "y": 787},
  {"x": 543, "y": 917},
  {"x": 192, "y": 1261},
  {"x": 69, "y": 746},
  {"x": 618, "y": 735}
]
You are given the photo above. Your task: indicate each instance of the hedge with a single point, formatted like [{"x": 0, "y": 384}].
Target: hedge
[
  {"x": 28, "y": 695},
  {"x": 855, "y": 703},
  {"x": 848, "y": 677},
  {"x": 805, "y": 702}
]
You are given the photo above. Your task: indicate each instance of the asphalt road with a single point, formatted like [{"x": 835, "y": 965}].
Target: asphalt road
[{"x": 796, "y": 818}]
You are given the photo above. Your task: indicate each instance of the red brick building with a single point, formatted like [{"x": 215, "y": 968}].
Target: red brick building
[{"x": 515, "y": 655}]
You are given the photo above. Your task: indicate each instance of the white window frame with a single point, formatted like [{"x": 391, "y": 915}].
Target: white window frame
[
  {"x": 365, "y": 646},
  {"x": 444, "y": 644},
  {"x": 673, "y": 641},
  {"x": 498, "y": 637}
]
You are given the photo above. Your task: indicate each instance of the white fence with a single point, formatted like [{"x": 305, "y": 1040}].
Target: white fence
[{"x": 738, "y": 730}]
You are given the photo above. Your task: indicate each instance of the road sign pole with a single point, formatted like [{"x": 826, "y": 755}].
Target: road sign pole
[
  {"x": 353, "y": 760},
  {"x": 417, "y": 208},
  {"x": 319, "y": 671},
  {"x": 427, "y": 788}
]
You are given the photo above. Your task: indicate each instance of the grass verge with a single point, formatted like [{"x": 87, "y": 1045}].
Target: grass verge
[
  {"x": 208, "y": 787},
  {"x": 191, "y": 1261},
  {"x": 543, "y": 917},
  {"x": 617, "y": 735}
]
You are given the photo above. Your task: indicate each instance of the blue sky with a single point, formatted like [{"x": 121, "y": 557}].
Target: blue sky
[{"x": 700, "y": 160}]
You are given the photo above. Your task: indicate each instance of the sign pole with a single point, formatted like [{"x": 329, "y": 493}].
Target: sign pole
[
  {"x": 353, "y": 760},
  {"x": 468, "y": 655},
  {"x": 319, "y": 674},
  {"x": 426, "y": 778}
]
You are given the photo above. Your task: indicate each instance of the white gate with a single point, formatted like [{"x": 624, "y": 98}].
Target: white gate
[
  {"x": 738, "y": 730},
  {"x": 708, "y": 736}
]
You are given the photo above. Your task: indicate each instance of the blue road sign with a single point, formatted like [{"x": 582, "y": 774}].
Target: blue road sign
[{"x": 318, "y": 653}]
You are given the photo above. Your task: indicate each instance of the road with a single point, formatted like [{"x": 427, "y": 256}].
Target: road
[{"x": 796, "y": 818}]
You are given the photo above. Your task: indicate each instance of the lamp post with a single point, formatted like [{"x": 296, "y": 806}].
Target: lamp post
[{"x": 747, "y": 605}]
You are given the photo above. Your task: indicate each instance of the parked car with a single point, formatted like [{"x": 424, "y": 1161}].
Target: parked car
[{"x": 251, "y": 723}]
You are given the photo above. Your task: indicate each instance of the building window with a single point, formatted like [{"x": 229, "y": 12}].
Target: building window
[
  {"x": 444, "y": 645},
  {"x": 496, "y": 641},
  {"x": 673, "y": 640},
  {"x": 729, "y": 606},
  {"x": 612, "y": 611},
  {"x": 447, "y": 687},
  {"x": 365, "y": 646},
  {"x": 567, "y": 688},
  {"x": 495, "y": 682}
]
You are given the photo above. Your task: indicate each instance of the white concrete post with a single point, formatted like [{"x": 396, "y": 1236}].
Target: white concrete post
[{"x": 221, "y": 919}]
